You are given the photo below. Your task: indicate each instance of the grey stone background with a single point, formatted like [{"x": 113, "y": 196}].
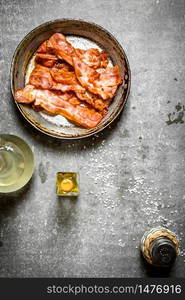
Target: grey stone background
[{"x": 132, "y": 174}]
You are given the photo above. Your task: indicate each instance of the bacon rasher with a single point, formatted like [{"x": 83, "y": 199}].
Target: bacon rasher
[{"x": 67, "y": 105}]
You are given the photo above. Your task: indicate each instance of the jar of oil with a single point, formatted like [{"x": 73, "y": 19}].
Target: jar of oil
[{"x": 16, "y": 163}]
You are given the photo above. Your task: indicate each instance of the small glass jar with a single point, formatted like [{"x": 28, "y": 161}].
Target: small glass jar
[
  {"x": 160, "y": 247},
  {"x": 67, "y": 184}
]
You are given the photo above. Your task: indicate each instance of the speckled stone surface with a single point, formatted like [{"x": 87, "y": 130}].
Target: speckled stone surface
[{"x": 131, "y": 175}]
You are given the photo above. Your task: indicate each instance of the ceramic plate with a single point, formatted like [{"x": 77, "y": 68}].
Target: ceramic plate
[{"x": 82, "y": 35}]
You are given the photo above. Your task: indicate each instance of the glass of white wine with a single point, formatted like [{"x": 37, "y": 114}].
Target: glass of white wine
[{"x": 16, "y": 163}]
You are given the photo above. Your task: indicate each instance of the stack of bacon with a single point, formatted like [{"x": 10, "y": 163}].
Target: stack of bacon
[{"x": 75, "y": 83}]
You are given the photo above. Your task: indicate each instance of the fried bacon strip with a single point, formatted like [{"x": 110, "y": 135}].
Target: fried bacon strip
[
  {"x": 43, "y": 47},
  {"x": 69, "y": 78},
  {"x": 103, "y": 82},
  {"x": 94, "y": 100},
  {"x": 62, "y": 80},
  {"x": 58, "y": 45},
  {"x": 61, "y": 64},
  {"x": 42, "y": 78},
  {"x": 93, "y": 57},
  {"x": 107, "y": 83},
  {"x": 26, "y": 95},
  {"x": 47, "y": 60},
  {"x": 66, "y": 105}
]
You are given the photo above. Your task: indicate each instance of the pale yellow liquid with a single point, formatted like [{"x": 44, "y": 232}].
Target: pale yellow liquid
[{"x": 12, "y": 163}]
